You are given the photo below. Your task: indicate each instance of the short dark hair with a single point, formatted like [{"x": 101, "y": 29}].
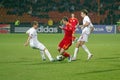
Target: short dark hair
[
  {"x": 84, "y": 11},
  {"x": 65, "y": 18},
  {"x": 34, "y": 23}
]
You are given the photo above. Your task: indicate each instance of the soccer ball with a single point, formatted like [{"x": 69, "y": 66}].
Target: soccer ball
[{"x": 60, "y": 57}]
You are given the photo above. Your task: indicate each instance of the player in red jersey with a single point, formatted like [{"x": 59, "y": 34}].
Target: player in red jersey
[
  {"x": 67, "y": 40},
  {"x": 74, "y": 22}
]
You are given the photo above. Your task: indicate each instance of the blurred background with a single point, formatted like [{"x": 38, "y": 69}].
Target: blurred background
[{"x": 50, "y": 12}]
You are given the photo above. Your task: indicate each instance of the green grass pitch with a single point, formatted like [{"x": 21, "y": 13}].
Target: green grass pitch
[{"x": 23, "y": 63}]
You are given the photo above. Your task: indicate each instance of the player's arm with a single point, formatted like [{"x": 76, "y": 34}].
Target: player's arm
[
  {"x": 86, "y": 24},
  {"x": 66, "y": 28},
  {"x": 27, "y": 42},
  {"x": 91, "y": 29},
  {"x": 77, "y": 23},
  {"x": 61, "y": 27}
]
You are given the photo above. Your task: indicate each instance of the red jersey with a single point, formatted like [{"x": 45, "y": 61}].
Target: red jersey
[
  {"x": 73, "y": 21},
  {"x": 68, "y": 31},
  {"x": 67, "y": 40}
]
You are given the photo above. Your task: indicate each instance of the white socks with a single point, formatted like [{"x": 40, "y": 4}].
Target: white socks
[
  {"x": 75, "y": 52},
  {"x": 86, "y": 49},
  {"x": 48, "y": 55},
  {"x": 42, "y": 54}
]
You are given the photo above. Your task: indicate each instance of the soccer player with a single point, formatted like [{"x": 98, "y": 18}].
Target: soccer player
[
  {"x": 87, "y": 28},
  {"x": 74, "y": 22},
  {"x": 67, "y": 40},
  {"x": 35, "y": 44}
]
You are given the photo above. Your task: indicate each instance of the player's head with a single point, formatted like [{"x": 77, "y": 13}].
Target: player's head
[
  {"x": 72, "y": 15},
  {"x": 64, "y": 20},
  {"x": 84, "y": 12},
  {"x": 35, "y": 24}
]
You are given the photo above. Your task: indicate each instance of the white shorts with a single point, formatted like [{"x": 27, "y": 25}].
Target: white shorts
[
  {"x": 37, "y": 45},
  {"x": 83, "y": 37},
  {"x": 85, "y": 34}
]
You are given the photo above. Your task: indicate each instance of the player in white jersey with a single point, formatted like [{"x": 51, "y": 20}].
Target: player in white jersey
[
  {"x": 87, "y": 28},
  {"x": 35, "y": 44}
]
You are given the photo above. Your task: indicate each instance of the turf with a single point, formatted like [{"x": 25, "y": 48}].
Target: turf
[{"x": 23, "y": 63}]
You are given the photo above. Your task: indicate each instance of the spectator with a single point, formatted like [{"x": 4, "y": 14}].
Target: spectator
[
  {"x": 17, "y": 22},
  {"x": 50, "y": 22}
]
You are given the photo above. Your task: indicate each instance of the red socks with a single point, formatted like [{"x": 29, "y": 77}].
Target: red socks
[{"x": 66, "y": 54}]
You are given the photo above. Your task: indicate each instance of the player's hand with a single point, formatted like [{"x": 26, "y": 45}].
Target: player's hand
[
  {"x": 81, "y": 26},
  {"x": 26, "y": 44},
  {"x": 61, "y": 27},
  {"x": 77, "y": 26},
  {"x": 91, "y": 29}
]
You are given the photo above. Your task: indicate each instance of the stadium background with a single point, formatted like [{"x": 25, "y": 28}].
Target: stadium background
[
  {"x": 101, "y": 12},
  {"x": 23, "y": 63}
]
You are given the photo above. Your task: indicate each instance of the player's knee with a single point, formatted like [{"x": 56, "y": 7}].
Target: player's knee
[
  {"x": 43, "y": 49},
  {"x": 58, "y": 49},
  {"x": 79, "y": 44},
  {"x": 62, "y": 51}
]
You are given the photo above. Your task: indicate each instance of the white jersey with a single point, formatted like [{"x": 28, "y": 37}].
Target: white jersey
[
  {"x": 86, "y": 30},
  {"x": 87, "y": 19},
  {"x": 34, "y": 43},
  {"x": 33, "y": 34}
]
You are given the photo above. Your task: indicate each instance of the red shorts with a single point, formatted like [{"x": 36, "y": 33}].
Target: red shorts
[{"x": 65, "y": 44}]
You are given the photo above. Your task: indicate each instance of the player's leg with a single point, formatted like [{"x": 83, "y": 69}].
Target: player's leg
[
  {"x": 85, "y": 39},
  {"x": 60, "y": 46},
  {"x": 58, "y": 49},
  {"x": 48, "y": 54},
  {"x": 65, "y": 54},
  {"x": 45, "y": 50},
  {"x": 36, "y": 46},
  {"x": 73, "y": 36},
  {"x": 87, "y": 51},
  {"x": 86, "y": 34},
  {"x": 64, "y": 45},
  {"x": 79, "y": 44},
  {"x": 43, "y": 55}
]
